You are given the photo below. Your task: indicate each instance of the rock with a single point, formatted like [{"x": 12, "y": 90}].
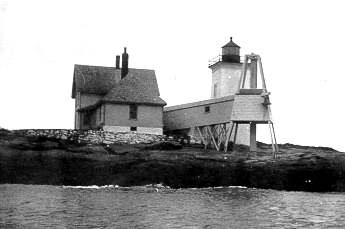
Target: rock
[
  {"x": 4, "y": 132},
  {"x": 44, "y": 160},
  {"x": 164, "y": 145}
]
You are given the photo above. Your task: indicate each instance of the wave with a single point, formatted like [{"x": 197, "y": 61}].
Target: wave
[
  {"x": 217, "y": 187},
  {"x": 154, "y": 186},
  {"x": 92, "y": 187},
  {"x": 148, "y": 186}
]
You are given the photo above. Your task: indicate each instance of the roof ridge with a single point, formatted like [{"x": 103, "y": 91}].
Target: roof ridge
[{"x": 97, "y": 66}]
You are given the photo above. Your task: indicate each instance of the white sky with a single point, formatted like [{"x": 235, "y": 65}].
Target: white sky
[{"x": 301, "y": 43}]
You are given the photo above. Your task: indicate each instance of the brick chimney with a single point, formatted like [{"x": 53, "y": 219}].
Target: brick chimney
[
  {"x": 124, "y": 69},
  {"x": 117, "y": 66}
]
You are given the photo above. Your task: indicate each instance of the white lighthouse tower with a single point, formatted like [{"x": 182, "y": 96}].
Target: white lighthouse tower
[
  {"x": 226, "y": 71},
  {"x": 226, "y": 75}
]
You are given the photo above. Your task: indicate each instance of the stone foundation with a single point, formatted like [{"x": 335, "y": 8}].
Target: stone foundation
[
  {"x": 95, "y": 136},
  {"x": 142, "y": 130},
  {"x": 116, "y": 129}
]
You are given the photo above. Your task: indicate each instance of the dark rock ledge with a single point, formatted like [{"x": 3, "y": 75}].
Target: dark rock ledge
[{"x": 43, "y": 160}]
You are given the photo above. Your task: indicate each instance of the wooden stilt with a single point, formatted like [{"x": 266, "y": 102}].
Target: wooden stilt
[
  {"x": 204, "y": 130},
  {"x": 244, "y": 70},
  {"x": 252, "y": 141},
  {"x": 202, "y": 137},
  {"x": 212, "y": 137},
  {"x": 228, "y": 137},
  {"x": 217, "y": 134},
  {"x": 273, "y": 135},
  {"x": 274, "y": 138},
  {"x": 235, "y": 134},
  {"x": 273, "y": 145},
  {"x": 262, "y": 74},
  {"x": 220, "y": 133}
]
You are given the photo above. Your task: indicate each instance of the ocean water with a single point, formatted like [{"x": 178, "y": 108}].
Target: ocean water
[{"x": 156, "y": 206}]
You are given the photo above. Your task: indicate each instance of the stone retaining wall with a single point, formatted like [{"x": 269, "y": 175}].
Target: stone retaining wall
[{"x": 95, "y": 136}]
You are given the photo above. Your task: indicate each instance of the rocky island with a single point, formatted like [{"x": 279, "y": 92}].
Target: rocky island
[{"x": 43, "y": 159}]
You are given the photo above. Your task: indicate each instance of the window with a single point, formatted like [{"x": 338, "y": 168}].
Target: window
[
  {"x": 207, "y": 109},
  {"x": 215, "y": 88},
  {"x": 133, "y": 111},
  {"x": 133, "y": 128}
]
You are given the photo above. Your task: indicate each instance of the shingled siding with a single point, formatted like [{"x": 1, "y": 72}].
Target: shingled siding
[
  {"x": 250, "y": 108},
  {"x": 149, "y": 118},
  {"x": 95, "y": 136}
]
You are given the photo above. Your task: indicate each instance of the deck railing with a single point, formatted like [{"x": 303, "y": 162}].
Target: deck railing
[{"x": 219, "y": 58}]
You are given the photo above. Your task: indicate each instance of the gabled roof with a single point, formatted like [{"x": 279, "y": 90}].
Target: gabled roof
[
  {"x": 139, "y": 86},
  {"x": 94, "y": 79},
  {"x": 231, "y": 44}
]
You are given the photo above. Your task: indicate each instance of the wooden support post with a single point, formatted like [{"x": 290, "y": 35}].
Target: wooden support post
[
  {"x": 274, "y": 138},
  {"x": 252, "y": 141},
  {"x": 228, "y": 136},
  {"x": 262, "y": 74},
  {"x": 204, "y": 131},
  {"x": 244, "y": 73},
  {"x": 273, "y": 134},
  {"x": 235, "y": 135},
  {"x": 224, "y": 134},
  {"x": 202, "y": 137},
  {"x": 244, "y": 69},
  {"x": 212, "y": 137},
  {"x": 220, "y": 133},
  {"x": 253, "y": 73},
  {"x": 273, "y": 146},
  {"x": 253, "y": 84}
]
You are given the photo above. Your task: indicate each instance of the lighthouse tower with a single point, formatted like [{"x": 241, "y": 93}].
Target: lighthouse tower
[{"x": 226, "y": 71}]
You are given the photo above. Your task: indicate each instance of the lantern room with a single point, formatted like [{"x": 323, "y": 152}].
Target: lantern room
[{"x": 231, "y": 52}]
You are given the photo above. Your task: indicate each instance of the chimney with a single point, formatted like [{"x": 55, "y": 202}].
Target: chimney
[
  {"x": 117, "y": 62},
  {"x": 124, "y": 69}
]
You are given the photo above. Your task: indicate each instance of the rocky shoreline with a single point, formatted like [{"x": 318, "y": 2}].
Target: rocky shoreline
[{"x": 50, "y": 160}]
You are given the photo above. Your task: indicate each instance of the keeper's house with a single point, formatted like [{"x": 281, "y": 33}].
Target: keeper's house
[{"x": 117, "y": 99}]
